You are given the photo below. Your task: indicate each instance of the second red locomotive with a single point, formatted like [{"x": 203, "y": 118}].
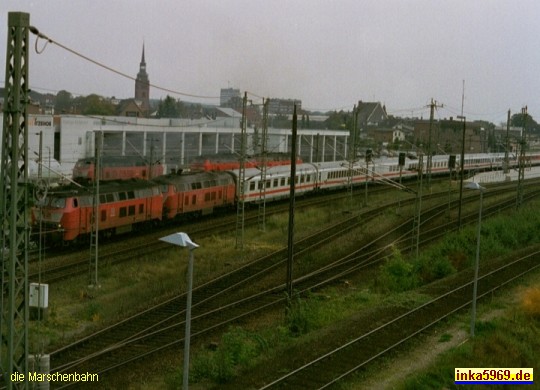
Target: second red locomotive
[{"x": 116, "y": 168}]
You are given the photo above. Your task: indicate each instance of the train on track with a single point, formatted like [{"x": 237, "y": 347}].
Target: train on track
[
  {"x": 116, "y": 168},
  {"x": 66, "y": 213},
  {"x": 227, "y": 162}
]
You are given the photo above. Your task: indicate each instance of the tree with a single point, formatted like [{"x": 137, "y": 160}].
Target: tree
[
  {"x": 63, "y": 102},
  {"x": 96, "y": 105},
  {"x": 339, "y": 120},
  {"x": 168, "y": 108},
  {"x": 518, "y": 120}
]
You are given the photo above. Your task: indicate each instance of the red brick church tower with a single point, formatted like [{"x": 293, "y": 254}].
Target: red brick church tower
[{"x": 142, "y": 87}]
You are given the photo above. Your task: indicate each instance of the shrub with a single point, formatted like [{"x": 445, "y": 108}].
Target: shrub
[
  {"x": 531, "y": 301},
  {"x": 396, "y": 274},
  {"x": 433, "y": 266},
  {"x": 237, "y": 348},
  {"x": 300, "y": 318}
]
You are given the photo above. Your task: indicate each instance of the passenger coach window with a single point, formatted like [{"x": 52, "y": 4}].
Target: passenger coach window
[{"x": 252, "y": 186}]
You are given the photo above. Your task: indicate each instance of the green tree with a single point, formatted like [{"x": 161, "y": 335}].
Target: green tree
[
  {"x": 339, "y": 120},
  {"x": 96, "y": 105},
  {"x": 63, "y": 102},
  {"x": 518, "y": 120},
  {"x": 168, "y": 108}
]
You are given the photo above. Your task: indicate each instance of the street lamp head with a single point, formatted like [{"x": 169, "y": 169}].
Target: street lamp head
[
  {"x": 179, "y": 239},
  {"x": 474, "y": 186}
]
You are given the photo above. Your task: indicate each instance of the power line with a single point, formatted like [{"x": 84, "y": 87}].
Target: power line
[{"x": 36, "y": 32}]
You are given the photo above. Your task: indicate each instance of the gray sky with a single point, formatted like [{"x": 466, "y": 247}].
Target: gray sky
[{"x": 329, "y": 54}]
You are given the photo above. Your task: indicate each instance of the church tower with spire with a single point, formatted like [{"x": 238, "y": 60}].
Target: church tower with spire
[{"x": 142, "y": 86}]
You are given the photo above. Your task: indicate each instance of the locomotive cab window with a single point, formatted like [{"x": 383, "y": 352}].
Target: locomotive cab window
[
  {"x": 131, "y": 210},
  {"x": 75, "y": 203}
]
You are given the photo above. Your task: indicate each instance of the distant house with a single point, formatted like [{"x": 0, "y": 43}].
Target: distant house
[
  {"x": 132, "y": 108},
  {"x": 370, "y": 114},
  {"x": 385, "y": 135}
]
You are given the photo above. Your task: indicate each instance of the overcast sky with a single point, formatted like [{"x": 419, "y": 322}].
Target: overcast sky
[{"x": 329, "y": 54}]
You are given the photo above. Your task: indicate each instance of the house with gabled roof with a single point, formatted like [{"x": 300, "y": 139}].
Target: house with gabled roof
[{"x": 370, "y": 114}]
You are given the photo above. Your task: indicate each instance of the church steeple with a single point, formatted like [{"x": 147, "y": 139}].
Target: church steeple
[
  {"x": 142, "y": 85},
  {"x": 143, "y": 62}
]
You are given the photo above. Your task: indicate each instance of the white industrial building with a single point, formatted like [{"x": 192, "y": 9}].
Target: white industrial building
[{"x": 171, "y": 142}]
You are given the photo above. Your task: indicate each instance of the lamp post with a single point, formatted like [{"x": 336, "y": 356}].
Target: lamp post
[
  {"x": 476, "y": 186},
  {"x": 183, "y": 240}
]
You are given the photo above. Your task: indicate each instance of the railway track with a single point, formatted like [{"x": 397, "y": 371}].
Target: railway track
[
  {"x": 336, "y": 364},
  {"x": 123, "y": 343},
  {"x": 55, "y": 270}
]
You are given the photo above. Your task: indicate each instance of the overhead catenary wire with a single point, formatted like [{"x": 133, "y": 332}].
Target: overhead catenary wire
[{"x": 36, "y": 32}]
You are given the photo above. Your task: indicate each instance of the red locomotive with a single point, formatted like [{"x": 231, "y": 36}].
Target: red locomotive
[
  {"x": 116, "y": 168},
  {"x": 229, "y": 161},
  {"x": 196, "y": 193},
  {"x": 66, "y": 214}
]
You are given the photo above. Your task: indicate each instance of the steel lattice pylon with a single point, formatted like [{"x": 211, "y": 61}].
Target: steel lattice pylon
[{"x": 14, "y": 204}]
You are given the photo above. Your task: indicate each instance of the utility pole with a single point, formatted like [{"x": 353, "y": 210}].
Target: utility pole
[
  {"x": 264, "y": 152},
  {"x": 352, "y": 156},
  {"x": 241, "y": 191},
  {"x": 290, "y": 246},
  {"x": 94, "y": 232},
  {"x": 432, "y": 107},
  {"x": 418, "y": 204},
  {"x": 521, "y": 158},
  {"x": 14, "y": 206},
  {"x": 507, "y": 146},
  {"x": 462, "y": 169}
]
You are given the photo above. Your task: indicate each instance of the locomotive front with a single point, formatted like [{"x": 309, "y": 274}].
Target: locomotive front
[{"x": 57, "y": 218}]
